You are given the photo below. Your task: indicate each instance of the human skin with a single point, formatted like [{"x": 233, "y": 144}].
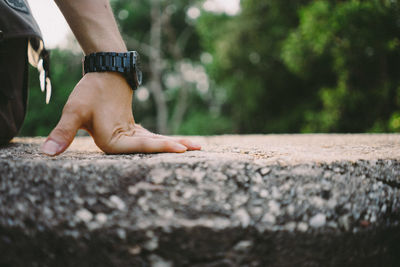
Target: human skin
[{"x": 101, "y": 102}]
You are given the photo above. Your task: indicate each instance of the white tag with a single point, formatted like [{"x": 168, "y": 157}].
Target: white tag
[
  {"x": 41, "y": 80},
  {"x": 48, "y": 90}
]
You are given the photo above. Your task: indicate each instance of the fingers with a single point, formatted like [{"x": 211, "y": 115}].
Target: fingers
[
  {"x": 189, "y": 144},
  {"x": 129, "y": 144},
  {"x": 62, "y": 135}
]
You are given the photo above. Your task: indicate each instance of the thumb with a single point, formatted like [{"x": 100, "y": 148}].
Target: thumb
[{"x": 62, "y": 135}]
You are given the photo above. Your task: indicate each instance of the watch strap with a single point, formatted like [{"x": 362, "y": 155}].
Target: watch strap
[
  {"x": 127, "y": 64},
  {"x": 108, "y": 61}
]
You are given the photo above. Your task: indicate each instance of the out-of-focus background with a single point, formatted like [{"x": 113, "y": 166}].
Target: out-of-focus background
[{"x": 249, "y": 66}]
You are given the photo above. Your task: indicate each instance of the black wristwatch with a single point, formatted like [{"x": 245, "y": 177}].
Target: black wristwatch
[{"x": 128, "y": 64}]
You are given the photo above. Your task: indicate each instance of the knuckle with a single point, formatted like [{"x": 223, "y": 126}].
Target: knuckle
[
  {"x": 70, "y": 108},
  {"x": 166, "y": 144},
  {"x": 73, "y": 110},
  {"x": 142, "y": 145},
  {"x": 107, "y": 148},
  {"x": 61, "y": 133},
  {"x": 181, "y": 141}
]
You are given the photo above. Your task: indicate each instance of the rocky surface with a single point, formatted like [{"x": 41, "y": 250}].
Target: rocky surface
[{"x": 272, "y": 200}]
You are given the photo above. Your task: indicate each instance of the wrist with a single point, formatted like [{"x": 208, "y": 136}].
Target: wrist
[
  {"x": 93, "y": 25},
  {"x": 103, "y": 45},
  {"x": 109, "y": 83}
]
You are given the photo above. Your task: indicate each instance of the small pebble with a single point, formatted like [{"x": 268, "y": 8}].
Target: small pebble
[
  {"x": 265, "y": 171},
  {"x": 274, "y": 207},
  {"x": 116, "y": 202},
  {"x": 317, "y": 202},
  {"x": 290, "y": 209},
  {"x": 275, "y": 193},
  {"x": 243, "y": 245},
  {"x": 157, "y": 261},
  {"x": 243, "y": 217},
  {"x": 302, "y": 227},
  {"x": 121, "y": 233},
  {"x": 268, "y": 218},
  {"x": 318, "y": 220},
  {"x": 264, "y": 193},
  {"x": 290, "y": 226},
  {"x": 84, "y": 215},
  {"x": 364, "y": 223},
  {"x": 101, "y": 218},
  {"x": 384, "y": 208},
  {"x": 344, "y": 222},
  {"x": 135, "y": 250},
  {"x": 151, "y": 244}
]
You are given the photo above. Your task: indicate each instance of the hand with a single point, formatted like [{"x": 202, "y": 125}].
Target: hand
[{"x": 101, "y": 103}]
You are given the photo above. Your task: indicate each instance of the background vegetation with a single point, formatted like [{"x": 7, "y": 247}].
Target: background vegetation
[{"x": 277, "y": 66}]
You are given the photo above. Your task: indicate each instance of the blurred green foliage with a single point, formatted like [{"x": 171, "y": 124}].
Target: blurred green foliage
[
  {"x": 354, "y": 45},
  {"x": 277, "y": 66},
  {"x": 65, "y": 72}
]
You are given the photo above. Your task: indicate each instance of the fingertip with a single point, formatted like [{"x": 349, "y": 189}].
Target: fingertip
[
  {"x": 189, "y": 144},
  {"x": 51, "y": 148},
  {"x": 178, "y": 148},
  {"x": 194, "y": 147},
  {"x": 197, "y": 147}
]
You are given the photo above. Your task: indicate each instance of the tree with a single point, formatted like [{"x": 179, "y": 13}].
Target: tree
[
  {"x": 262, "y": 94},
  {"x": 354, "y": 47},
  {"x": 277, "y": 66},
  {"x": 308, "y": 66},
  {"x": 166, "y": 38}
]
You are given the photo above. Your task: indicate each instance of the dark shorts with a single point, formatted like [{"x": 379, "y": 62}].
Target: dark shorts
[{"x": 13, "y": 87}]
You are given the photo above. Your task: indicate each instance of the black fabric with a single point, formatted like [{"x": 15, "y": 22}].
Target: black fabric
[
  {"x": 13, "y": 87},
  {"x": 16, "y": 23},
  {"x": 17, "y": 29}
]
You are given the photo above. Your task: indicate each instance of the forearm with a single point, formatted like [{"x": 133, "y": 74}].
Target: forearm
[{"x": 93, "y": 25}]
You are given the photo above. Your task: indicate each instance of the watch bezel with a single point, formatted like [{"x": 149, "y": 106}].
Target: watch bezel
[{"x": 135, "y": 70}]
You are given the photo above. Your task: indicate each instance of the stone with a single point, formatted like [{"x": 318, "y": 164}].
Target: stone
[
  {"x": 101, "y": 218},
  {"x": 151, "y": 244},
  {"x": 268, "y": 218},
  {"x": 318, "y": 220},
  {"x": 243, "y": 217},
  {"x": 274, "y": 207},
  {"x": 243, "y": 245},
  {"x": 84, "y": 215},
  {"x": 302, "y": 226},
  {"x": 290, "y": 226},
  {"x": 135, "y": 250},
  {"x": 157, "y": 261},
  {"x": 264, "y": 171},
  {"x": 317, "y": 202},
  {"x": 117, "y": 202},
  {"x": 272, "y": 200}
]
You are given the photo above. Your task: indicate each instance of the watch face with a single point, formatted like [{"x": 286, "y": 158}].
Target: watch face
[{"x": 138, "y": 73}]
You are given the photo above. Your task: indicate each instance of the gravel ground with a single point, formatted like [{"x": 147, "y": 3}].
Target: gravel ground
[{"x": 259, "y": 200}]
